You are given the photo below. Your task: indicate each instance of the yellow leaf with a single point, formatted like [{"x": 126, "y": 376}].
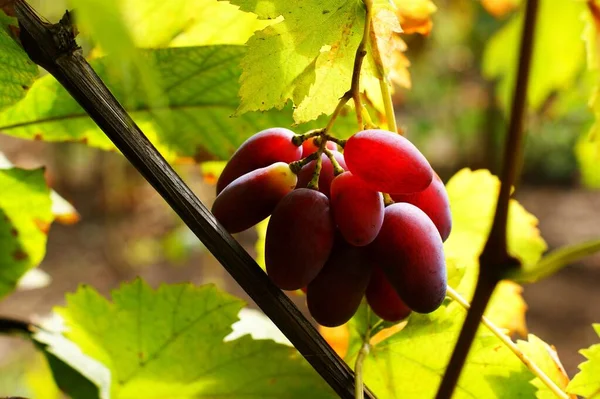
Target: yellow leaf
[
  {"x": 415, "y": 15},
  {"x": 507, "y": 308},
  {"x": 547, "y": 360}
]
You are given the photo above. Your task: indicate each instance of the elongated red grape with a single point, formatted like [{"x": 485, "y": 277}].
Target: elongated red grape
[
  {"x": 357, "y": 209},
  {"x": 253, "y": 196},
  {"x": 409, "y": 249},
  {"x": 309, "y": 146},
  {"x": 387, "y": 162},
  {"x": 335, "y": 294},
  {"x": 260, "y": 150},
  {"x": 383, "y": 298},
  {"x": 434, "y": 202},
  {"x": 299, "y": 238},
  {"x": 325, "y": 177}
]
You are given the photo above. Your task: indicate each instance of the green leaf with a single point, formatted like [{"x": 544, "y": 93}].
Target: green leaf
[
  {"x": 200, "y": 85},
  {"x": 558, "y": 53},
  {"x": 16, "y": 69},
  {"x": 546, "y": 358},
  {"x": 307, "y": 58},
  {"x": 556, "y": 260},
  {"x": 25, "y": 217},
  {"x": 587, "y": 382},
  {"x": 169, "y": 342},
  {"x": 587, "y": 152},
  {"x": 410, "y": 363}
]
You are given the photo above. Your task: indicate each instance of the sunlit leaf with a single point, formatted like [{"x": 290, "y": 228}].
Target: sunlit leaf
[
  {"x": 587, "y": 382},
  {"x": 16, "y": 69},
  {"x": 169, "y": 342},
  {"x": 62, "y": 210},
  {"x": 25, "y": 218},
  {"x": 587, "y": 151},
  {"x": 307, "y": 58},
  {"x": 421, "y": 350},
  {"x": 546, "y": 358},
  {"x": 558, "y": 54}
]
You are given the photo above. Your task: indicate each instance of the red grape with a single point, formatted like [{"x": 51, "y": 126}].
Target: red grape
[
  {"x": 434, "y": 202},
  {"x": 335, "y": 294},
  {"x": 387, "y": 162},
  {"x": 253, "y": 196},
  {"x": 299, "y": 238},
  {"x": 383, "y": 298},
  {"x": 260, "y": 150},
  {"x": 326, "y": 175},
  {"x": 409, "y": 249},
  {"x": 357, "y": 209},
  {"x": 309, "y": 146}
]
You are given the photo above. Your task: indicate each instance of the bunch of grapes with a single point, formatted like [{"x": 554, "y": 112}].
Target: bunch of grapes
[{"x": 366, "y": 222}]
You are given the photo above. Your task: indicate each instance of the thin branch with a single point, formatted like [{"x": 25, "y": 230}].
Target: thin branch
[
  {"x": 354, "y": 92},
  {"x": 495, "y": 262},
  {"x": 12, "y": 326},
  {"x": 54, "y": 48},
  {"x": 530, "y": 364}
]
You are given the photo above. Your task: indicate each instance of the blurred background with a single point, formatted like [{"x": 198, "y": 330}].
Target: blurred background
[{"x": 455, "y": 113}]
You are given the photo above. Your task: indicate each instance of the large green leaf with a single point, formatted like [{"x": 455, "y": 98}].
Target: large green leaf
[
  {"x": 25, "y": 216},
  {"x": 587, "y": 382},
  {"x": 200, "y": 85},
  {"x": 307, "y": 58},
  {"x": 558, "y": 54},
  {"x": 411, "y": 363},
  {"x": 16, "y": 69},
  {"x": 169, "y": 342}
]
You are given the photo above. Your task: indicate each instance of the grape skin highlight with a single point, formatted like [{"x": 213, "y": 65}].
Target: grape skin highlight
[
  {"x": 252, "y": 197},
  {"x": 262, "y": 149},
  {"x": 357, "y": 209},
  {"x": 387, "y": 162}
]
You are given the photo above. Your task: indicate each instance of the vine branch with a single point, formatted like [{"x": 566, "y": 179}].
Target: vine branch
[
  {"x": 495, "y": 262},
  {"x": 54, "y": 48}
]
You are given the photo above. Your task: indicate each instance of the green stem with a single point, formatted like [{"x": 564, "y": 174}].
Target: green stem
[
  {"x": 340, "y": 142},
  {"x": 390, "y": 115},
  {"x": 337, "y": 169},
  {"x": 301, "y": 138},
  {"x": 314, "y": 182},
  {"x": 359, "y": 392},
  {"x": 298, "y": 165},
  {"x": 530, "y": 364}
]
